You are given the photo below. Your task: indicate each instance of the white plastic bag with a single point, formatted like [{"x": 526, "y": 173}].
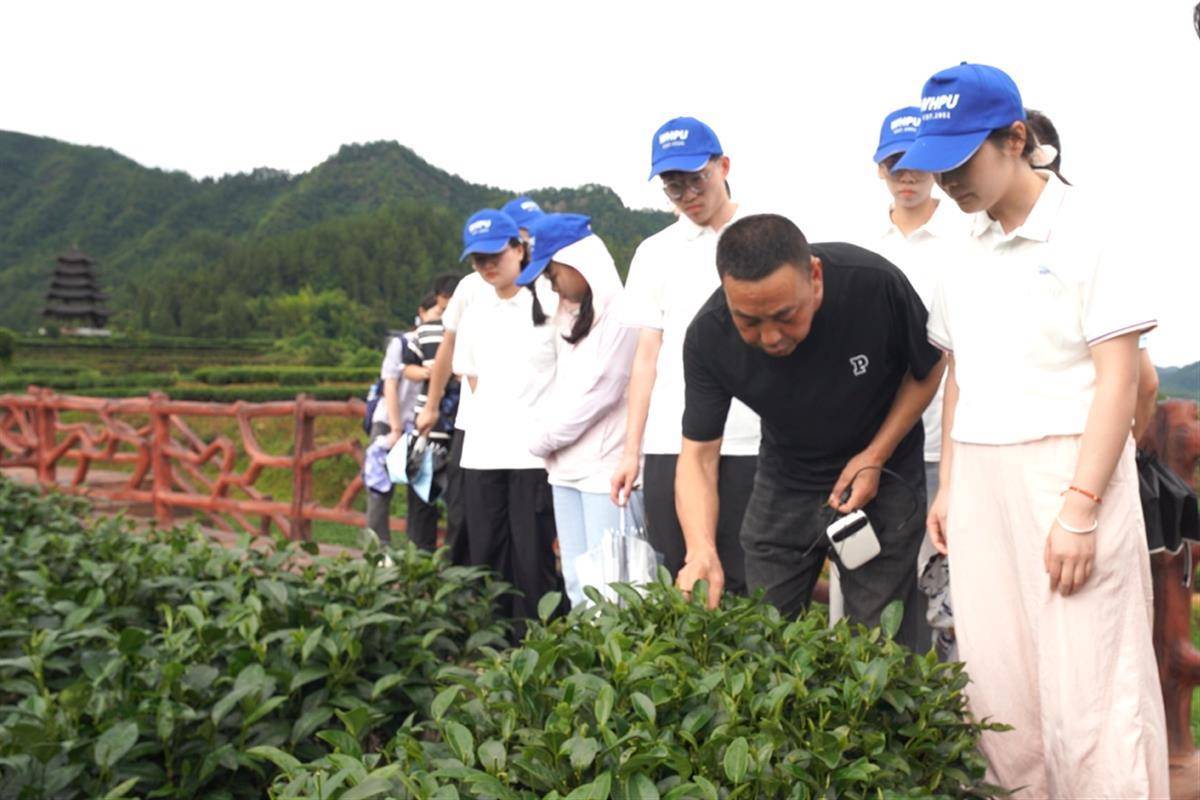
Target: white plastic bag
[{"x": 623, "y": 556}]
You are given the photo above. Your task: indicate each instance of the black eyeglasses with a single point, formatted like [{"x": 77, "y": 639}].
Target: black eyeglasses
[{"x": 694, "y": 182}]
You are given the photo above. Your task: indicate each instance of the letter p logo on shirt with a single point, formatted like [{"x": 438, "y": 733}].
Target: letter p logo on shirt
[{"x": 859, "y": 364}]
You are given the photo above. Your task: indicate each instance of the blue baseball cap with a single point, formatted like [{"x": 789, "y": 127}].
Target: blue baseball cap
[
  {"x": 685, "y": 144},
  {"x": 488, "y": 231},
  {"x": 523, "y": 210},
  {"x": 898, "y": 132},
  {"x": 960, "y": 106},
  {"x": 551, "y": 233}
]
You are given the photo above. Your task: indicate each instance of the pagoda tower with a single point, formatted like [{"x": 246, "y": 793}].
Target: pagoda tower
[{"x": 75, "y": 299}]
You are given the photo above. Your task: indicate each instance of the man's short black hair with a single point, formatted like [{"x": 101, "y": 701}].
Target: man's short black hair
[
  {"x": 444, "y": 284},
  {"x": 754, "y": 247}
]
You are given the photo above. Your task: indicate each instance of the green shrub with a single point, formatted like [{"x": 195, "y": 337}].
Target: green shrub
[
  {"x": 8, "y": 346},
  {"x": 159, "y": 662},
  {"x": 284, "y": 375},
  {"x": 85, "y": 381},
  {"x": 663, "y": 699}
]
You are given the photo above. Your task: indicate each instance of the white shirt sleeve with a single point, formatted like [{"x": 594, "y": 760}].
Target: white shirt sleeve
[
  {"x": 393, "y": 361},
  {"x": 642, "y": 302},
  {"x": 938, "y": 326},
  {"x": 457, "y": 304},
  {"x": 1114, "y": 305}
]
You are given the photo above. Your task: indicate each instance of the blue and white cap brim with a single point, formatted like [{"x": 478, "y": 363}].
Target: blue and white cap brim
[
  {"x": 891, "y": 149},
  {"x": 688, "y": 163},
  {"x": 942, "y": 153},
  {"x": 533, "y": 270},
  {"x": 489, "y": 246}
]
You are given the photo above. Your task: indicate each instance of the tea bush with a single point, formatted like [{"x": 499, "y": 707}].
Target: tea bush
[
  {"x": 663, "y": 699},
  {"x": 153, "y": 664}
]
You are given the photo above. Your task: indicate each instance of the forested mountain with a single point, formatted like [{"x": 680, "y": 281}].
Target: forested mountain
[
  {"x": 202, "y": 257},
  {"x": 1180, "y": 381}
]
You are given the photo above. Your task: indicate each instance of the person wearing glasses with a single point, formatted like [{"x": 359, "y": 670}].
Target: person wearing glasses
[
  {"x": 672, "y": 274},
  {"x": 1038, "y": 505}
]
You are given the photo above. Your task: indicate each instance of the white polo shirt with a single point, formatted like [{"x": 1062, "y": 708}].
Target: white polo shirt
[
  {"x": 671, "y": 276},
  {"x": 1021, "y": 313},
  {"x": 456, "y": 319},
  {"x": 513, "y": 362},
  {"x": 922, "y": 256}
]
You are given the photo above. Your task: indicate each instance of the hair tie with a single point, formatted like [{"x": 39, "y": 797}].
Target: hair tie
[{"x": 1043, "y": 156}]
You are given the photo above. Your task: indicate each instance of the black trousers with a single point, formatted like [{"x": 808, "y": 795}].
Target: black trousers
[
  {"x": 734, "y": 484},
  {"x": 785, "y": 544},
  {"x": 455, "y": 498},
  {"x": 510, "y": 528},
  {"x": 422, "y": 521}
]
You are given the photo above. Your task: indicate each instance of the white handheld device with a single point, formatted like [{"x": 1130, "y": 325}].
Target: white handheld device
[{"x": 853, "y": 539}]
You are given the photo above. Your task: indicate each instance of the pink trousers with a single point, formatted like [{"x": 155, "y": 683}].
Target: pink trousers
[{"x": 1074, "y": 676}]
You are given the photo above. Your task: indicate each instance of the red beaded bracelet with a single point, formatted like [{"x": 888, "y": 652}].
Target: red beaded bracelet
[{"x": 1089, "y": 495}]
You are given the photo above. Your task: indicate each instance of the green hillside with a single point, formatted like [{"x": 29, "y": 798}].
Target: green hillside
[
  {"x": 207, "y": 257},
  {"x": 1180, "y": 381}
]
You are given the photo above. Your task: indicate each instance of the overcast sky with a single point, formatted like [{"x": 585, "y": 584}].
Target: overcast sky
[{"x": 533, "y": 94}]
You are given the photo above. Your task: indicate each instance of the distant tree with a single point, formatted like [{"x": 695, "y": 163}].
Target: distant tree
[{"x": 8, "y": 346}]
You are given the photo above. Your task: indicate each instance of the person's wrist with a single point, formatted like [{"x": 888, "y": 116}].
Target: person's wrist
[
  {"x": 701, "y": 555},
  {"x": 1077, "y": 510},
  {"x": 875, "y": 455}
]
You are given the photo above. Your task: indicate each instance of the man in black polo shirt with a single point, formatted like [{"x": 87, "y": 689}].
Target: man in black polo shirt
[{"x": 827, "y": 344}]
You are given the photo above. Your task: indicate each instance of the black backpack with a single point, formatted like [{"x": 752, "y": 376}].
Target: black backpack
[{"x": 374, "y": 396}]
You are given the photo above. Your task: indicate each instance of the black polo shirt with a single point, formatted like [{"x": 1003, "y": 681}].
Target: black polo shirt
[{"x": 821, "y": 405}]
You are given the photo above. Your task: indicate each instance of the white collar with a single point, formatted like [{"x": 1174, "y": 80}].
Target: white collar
[
  {"x": 692, "y": 231},
  {"x": 1039, "y": 224}
]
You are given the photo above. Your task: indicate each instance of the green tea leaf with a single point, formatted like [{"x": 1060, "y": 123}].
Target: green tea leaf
[
  {"x": 114, "y": 743},
  {"x": 444, "y": 699},
  {"x": 604, "y": 704},
  {"x": 644, "y": 706},
  {"x": 891, "y": 618},
  {"x": 737, "y": 759},
  {"x": 639, "y": 787},
  {"x": 524, "y": 662},
  {"x": 309, "y": 722},
  {"x": 122, "y": 789},
  {"x": 342, "y": 742},
  {"x": 286, "y": 762},
  {"x": 492, "y": 755},
  {"x": 371, "y": 787},
  {"x": 582, "y": 751},
  {"x": 548, "y": 605},
  {"x": 460, "y": 740}
]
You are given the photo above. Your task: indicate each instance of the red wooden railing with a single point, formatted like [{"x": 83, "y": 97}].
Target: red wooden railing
[{"x": 164, "y": 463}]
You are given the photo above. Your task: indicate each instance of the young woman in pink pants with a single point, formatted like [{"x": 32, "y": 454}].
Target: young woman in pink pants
[{"x": 1038, "y": 507}]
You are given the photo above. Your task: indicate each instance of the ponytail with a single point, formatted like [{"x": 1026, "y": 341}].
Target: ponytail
[
  {"x": 1001, "y": 135},
  {"x": 539, "y": 316},
  {"x": 583, "y": 323}
]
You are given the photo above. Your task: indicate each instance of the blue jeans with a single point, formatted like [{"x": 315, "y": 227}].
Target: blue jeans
[{"x": 581, "y": 519}]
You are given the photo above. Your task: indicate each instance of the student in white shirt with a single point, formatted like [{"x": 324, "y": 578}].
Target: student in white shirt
[
  {"x": 673, "y": 274},
  {"x": 582, "y": 425},
  {"x": 1051, "y": 159},
  {"x": 390, "y": 421},
  {"x": 509, "y": 363},
  {"x": 1038, "y": 507},
  {"x": 446, "y": 365},
  {"x": 922, "y": 235}
]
